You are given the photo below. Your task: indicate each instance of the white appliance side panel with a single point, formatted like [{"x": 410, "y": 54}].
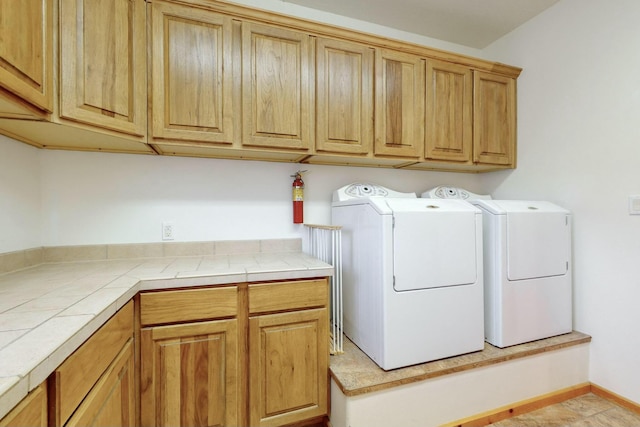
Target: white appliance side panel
[
  {"x": 363, "y": 274},
  {"x": 538, "y": 244},
  {"x": 434, "y": 249}
]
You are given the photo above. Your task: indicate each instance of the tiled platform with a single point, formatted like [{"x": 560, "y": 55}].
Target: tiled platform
[{"x": 355, "y": 373}]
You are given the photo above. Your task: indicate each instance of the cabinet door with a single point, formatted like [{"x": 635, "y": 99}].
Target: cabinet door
[
  {"x": 288, "y": 367},
  {"x": 494, "y": 129},
  {"x": 189, "y": 374},
  {"x": 276, "y": 87},
  {"x": 344, "y": 80},
  {"x": 26, "y": 50},
  {"x": 103, "y": 64},
  {"x": 399, "y": 104},
  {"x": 191, "y": 72},
  {"x": 111, "y": 402},
  {"x": 449, "y": 112},
  {"x": 30, "y": 412}
]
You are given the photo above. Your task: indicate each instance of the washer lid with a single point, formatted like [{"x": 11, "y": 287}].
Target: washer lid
[{"x": 434, "y": 243}]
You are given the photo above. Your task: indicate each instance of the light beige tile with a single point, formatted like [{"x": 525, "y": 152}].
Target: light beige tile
[
  {"x": 47, "y": 303},
  {"x": 7, "y": 337},
  {"x": 178, "y": 249},
  {"x": 12, "y": 391},
  {"x": 12, "y": 321},
  {"x": 96, "y": 303},
  {"x": 74, "y": 253},
  {"x": 281, "y": 245},
  {"x": 232, "y": 247},
  {"x": 142, "y": 250},
  {"x": 36, "y": 346}
]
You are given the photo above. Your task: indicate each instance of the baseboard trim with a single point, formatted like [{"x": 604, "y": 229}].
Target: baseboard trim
[
  {"x": 524, "y": 406},
  {"x": 616, "y": 398}
]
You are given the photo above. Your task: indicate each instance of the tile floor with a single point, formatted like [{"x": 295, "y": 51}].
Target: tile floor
[{"x": 587, "y": 410}]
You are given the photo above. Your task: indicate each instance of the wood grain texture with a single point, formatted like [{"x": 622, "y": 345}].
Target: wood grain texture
[
  {"x": 26, "y": 50},
  {"x": 79, "y": 372},
  {"x": 399, "y": 123},
  {"x": 191, "y": 74},
  {"x": 188, "y": 305},
  {"x": 345, "y": 104},
  {"x": 295, "y": 295},
  {"x": 449, "y": 112},
  {"x": 288, "y": 367},
  {"x": 30, "y": 412},
  {"x": 276, "y": 87},
  {"x": 189, "y": 374},
  {"x": 494, "y": 122},
  {"x": 103, "y": 65},
  {"x": 111, "y": 402}
]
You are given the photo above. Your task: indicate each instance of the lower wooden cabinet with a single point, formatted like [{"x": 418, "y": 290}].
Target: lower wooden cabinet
[
  {"x": 288, "y": 367},
  {"x": 189, "y": 374},
  {"x": 111, "y": 402},
  {"x": 262, "y": 362},
  {"x": 95, "y": 386},
  {"x": 30, "y": 412}
]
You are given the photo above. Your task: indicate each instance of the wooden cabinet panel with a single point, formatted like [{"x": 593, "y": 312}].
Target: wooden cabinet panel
[
  {"x": 344, "y": 81},
  {"x": 191, "y": 73},
  {"x": 288, "y": 367},
  {"x": 494, "y": 126},
  {"x": 77, "y": 375},
  {"x": 111, "y": 402},
  {"x": 189, "y": 374},
  {"x": 399, "y": 104},
  {"x": 187, "y": 305},
  {"x": 26, "y": 50},
  {"x": 103, "y": 64},
  {"x": 30, "y": 412},
  {"x": 276, "y": 87},
  {"x": 295, "y": 295},
  {"x": 449, "y": 116}
]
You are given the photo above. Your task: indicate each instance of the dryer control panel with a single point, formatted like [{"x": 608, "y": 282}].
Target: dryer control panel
[
  {"x": 445, "y": 192},
  {"x": 364, "y": 190}
]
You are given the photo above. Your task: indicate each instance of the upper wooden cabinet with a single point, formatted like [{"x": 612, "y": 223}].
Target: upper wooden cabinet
[
  {"x": 26, "y": 50},
  {"x": 399, "y": 121},
  {"x": 191, "y": 74},
  {"x": 449, "y": 118},
  {"x": 103, "y": 64},
  {"x": 344, "y": 96},
  {"x": 276, "y": 87},
  {"x": 494, "y": 123}
]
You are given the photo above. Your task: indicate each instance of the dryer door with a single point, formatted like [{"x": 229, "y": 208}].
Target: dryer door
[
  {"x": 434, "y": 247},
  {"x": 538, "y": 244}
]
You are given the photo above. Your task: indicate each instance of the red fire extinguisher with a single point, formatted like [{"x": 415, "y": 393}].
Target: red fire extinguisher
[{"x": 298, "y": 197}]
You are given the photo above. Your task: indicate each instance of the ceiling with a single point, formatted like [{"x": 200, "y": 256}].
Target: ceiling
[{"x": 472, "y": 23}]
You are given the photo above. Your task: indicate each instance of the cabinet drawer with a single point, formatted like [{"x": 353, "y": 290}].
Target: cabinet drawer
[
  {"x": 188, "y": 305},
  {"x": 80, "y": 371},
  {"x": 266, "y": 297}
]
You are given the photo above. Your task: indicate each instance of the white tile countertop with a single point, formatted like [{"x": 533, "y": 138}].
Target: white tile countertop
[{"x": 48, "y": 310}]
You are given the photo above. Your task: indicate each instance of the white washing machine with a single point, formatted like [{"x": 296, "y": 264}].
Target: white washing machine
[
  {"x": 412, "y": 275},
  {"x": 527, "y": 267}
]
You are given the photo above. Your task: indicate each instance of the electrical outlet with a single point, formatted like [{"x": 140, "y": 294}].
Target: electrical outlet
[{"x": 168, "y": 231}]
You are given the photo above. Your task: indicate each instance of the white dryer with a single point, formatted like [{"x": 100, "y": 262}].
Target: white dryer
[
  {"x": 527, "y": 252},
  {"x": 412, "y": 275},
  {"x": 527, "y": 267}
]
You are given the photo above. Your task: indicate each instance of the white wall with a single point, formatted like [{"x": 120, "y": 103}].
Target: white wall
[
  {"x": 91, "y": 198},
  {"x": 20, "y": 210},
  {"x": 579, "y": 145}
]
